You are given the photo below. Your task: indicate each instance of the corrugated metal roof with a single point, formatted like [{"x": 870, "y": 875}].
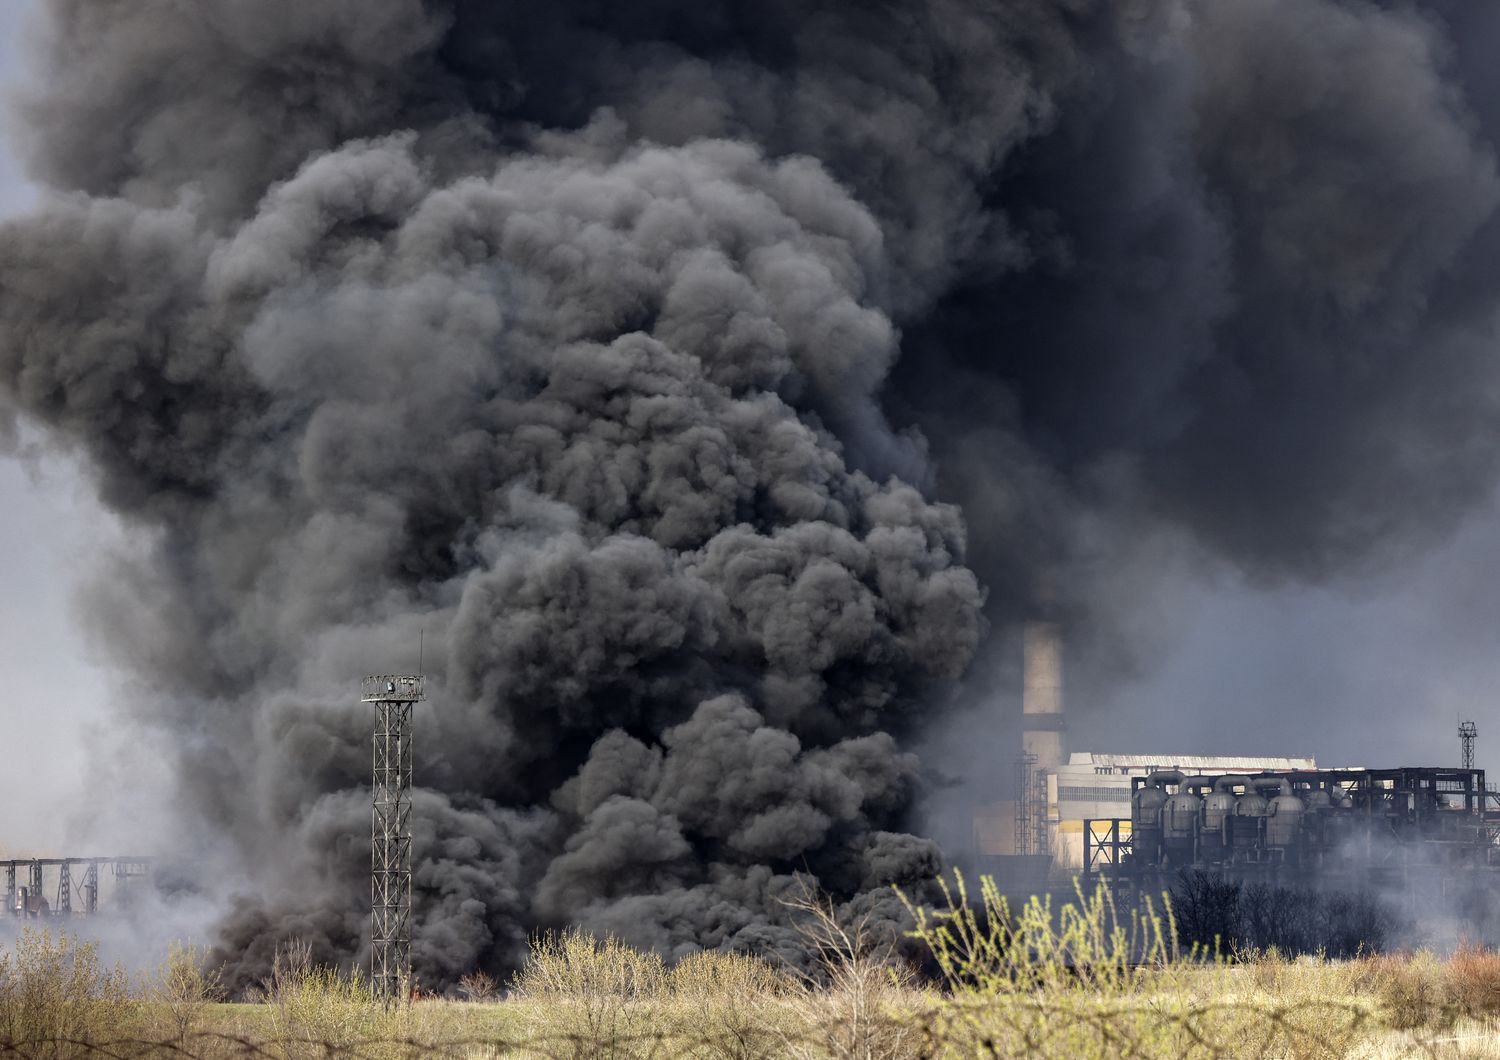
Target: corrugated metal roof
[{"x": 1226, "y": 763}]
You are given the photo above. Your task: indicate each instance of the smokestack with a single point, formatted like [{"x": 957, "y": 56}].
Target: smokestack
[
  {"x": 1042, "y": 727},
  {"x": 1041, "y": 697}
]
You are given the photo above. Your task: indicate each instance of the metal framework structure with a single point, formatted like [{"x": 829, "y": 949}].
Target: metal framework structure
[
  {"x": 1026, "y": 811},
  {"x": 1106, "y": 849},
  {"x": 1422, "y": 826},
  {"x": 391, "y": 837},
  {"x": 1467, "y": 733},
  {"x": 30, "y": 900}
]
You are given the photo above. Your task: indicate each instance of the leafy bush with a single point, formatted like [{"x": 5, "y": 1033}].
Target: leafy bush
[
  {"x": 593, "y": 990},
  {"x": 56, "y": 999},
  {"x": 715, "y": 974},
  {"x": 1090, "y": 980},
  {"x": 181, "y": 994},
  {"x": 322, "y": 1011}
]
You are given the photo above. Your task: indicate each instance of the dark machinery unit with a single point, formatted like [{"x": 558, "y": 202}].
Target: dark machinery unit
[{"x": 1400, "y": 820}]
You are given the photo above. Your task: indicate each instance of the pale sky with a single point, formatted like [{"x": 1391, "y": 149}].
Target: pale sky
[
  {"x": 52, "y": 691},
  {"x": 1370, "y": 672},
  {"x": 1375, "y": 671}
]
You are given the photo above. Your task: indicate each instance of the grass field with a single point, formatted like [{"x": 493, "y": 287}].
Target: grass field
[{"x": 1078, "y": 982}]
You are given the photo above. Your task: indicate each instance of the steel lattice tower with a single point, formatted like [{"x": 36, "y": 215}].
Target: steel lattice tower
[
  {"x": 1467, "y": 731},
  {"x": 390, "y": 848}
]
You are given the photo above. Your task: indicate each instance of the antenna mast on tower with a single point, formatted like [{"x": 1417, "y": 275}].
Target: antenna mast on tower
[
  {"x": 1467, "y": 733},
  {"x": 390, "y": 848}
]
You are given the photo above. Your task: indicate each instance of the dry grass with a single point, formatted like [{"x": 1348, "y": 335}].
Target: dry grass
[
  {"x": 1084, "y": 981},
  {"x": 579, "y": 996}
]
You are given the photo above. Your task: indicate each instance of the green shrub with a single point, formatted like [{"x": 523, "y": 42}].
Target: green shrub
[
  {"x": 180, "y": 995},
  {"x": 56, "y": 999},
  {"x": 1087, "y": 980},
  {"x": 594, "y": 994},
  {"x": 574, "y": 965},
  {"x": 713, "y": 975},
  {"x": 317, "y": 1010}
]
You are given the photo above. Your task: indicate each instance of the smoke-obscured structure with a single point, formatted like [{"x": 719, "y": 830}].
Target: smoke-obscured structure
[
  {"x": 715, "y": 384},
  {"x": 1417, "y": 847},
  {"x": 1412, "y": 853},
  {"x": 39, "y": 888},
  {"x": 1390, "y": 823}
]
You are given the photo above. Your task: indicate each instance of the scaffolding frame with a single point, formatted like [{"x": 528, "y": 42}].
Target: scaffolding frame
[
  {"x": 1026, "y": 815},
  {"x": 1106, "y": 846}
]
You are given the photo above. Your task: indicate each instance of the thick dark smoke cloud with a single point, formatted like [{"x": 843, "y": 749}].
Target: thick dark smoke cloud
[{"x": 705, "y": 380}]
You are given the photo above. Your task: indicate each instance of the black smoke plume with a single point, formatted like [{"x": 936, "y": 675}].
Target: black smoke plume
[{"x": 705, "y": 380}]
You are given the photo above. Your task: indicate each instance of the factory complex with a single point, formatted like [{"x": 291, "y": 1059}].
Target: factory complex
[{"x": 1142, "y": 818}]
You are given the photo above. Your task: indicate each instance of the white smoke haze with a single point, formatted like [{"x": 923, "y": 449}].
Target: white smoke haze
[{"x": 713, "y": 386}]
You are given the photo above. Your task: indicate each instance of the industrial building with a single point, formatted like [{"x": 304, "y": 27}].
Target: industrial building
[
  {"x": 1408, "y": 825},
  {"x": 1143, "y": 817},
  {"x": 1100, "y": 787},
  {"x": 1029, "y": 841}
]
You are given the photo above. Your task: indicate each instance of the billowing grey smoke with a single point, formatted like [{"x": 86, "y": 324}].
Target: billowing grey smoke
[{"x": 567, "y": 334}]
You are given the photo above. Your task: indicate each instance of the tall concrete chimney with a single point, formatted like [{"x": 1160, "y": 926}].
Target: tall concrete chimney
[
  {"x": 1023, "y": 828},
  {"x": 1041, "y": 736},
  {"x": 1041, "y": 694}
]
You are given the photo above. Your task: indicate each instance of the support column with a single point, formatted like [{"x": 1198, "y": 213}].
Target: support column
[{"x": 34, "y": 892}]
